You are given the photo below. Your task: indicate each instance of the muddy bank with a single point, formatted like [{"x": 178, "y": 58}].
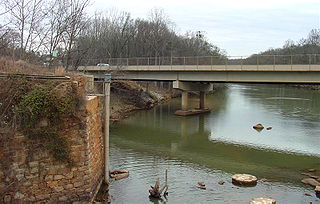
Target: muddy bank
[{"x": 128, "y": 96}]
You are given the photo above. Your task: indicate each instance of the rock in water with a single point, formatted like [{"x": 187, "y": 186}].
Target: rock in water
[
  {"x": 317, "y": 189},
  {"x": 244, "y": 180},
  {"x": 269, "y": 128},
  {"x": 310, "y": 175},
  {"x": 311, "y": 182},
  {"x": 119, "y": 174},
  {"x": 310, "y": 170},
  {"x": 221, "y": 182},
  {"x": 262, "y": 201},
  {"x": 258, "y": 127},
  {"x": 202, "y": 185}
]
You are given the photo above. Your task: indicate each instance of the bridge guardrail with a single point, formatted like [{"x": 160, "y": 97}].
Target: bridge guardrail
[{"x": 254, "y": 61}]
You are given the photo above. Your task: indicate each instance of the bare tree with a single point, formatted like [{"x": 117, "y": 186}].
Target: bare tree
[
  {"x": 27, "y": 17},
  {"x": 117, "y": 35},
  {"x": 160, "y": 34},
  {"x": 55, "y": 27},
  {"x": 75, "y": 20}
]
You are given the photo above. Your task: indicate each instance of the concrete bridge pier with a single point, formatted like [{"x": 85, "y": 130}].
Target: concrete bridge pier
[
  {"x": 185, "y": 87},
  {"x": 184, "y": 100}
]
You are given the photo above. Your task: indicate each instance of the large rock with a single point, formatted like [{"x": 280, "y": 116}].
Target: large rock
[
  {"x": 258, "y": 127},
  {"x": 262, "y": 201},
  {"x": 311, "y": 182},
  {"x": 244, "y": 180}
]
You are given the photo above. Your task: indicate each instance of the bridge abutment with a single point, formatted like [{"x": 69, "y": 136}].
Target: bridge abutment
[{"x": 185, "y": 87}]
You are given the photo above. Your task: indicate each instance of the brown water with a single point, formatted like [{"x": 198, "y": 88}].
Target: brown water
[{"x": 213, "y": 147}]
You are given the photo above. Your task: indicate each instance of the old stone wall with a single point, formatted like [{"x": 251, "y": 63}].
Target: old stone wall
[{"x": 30, "y": 174}]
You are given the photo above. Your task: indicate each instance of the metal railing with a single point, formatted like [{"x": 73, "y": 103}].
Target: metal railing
[{"x": 255, "y": 61}]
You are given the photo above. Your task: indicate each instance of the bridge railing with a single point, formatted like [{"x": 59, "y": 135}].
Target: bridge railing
[{"x": 210, "y": 61}]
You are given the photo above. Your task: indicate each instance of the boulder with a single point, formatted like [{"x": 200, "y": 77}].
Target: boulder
[
  {"x": 262, "y": 201},
  {"x": 310, "y": 175},
  {"x": 201, "y": 185},
  {"x": 258, "y": 127},
  {"x": 310, "y": 170},
  {"x": 317, "y": 189},
  {"x": 269, "y": 128},
  {"x": 119, "y": 174},
  {"x": 221, "y": 182},
  {"x": 244, "y": 180},
  {"x": 311, "y": 182}
]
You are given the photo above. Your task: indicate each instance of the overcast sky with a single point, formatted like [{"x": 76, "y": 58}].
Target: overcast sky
[{"x": 240, "y": 27}]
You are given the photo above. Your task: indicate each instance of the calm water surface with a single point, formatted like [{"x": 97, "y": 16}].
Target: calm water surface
[{"x": 213, "y": 147}]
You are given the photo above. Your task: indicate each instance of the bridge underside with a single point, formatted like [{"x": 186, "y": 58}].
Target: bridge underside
[
  {"x": 218, "y": 76},
  {"x": 185, "y": 87}
]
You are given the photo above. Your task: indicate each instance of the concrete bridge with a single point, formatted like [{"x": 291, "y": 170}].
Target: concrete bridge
[{"x": 196, "y": 73}]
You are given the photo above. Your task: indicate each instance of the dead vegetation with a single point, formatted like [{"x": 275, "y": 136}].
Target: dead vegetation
[
  {"x": 155, "y": 191},
  {"x": 9, "y": 66}
]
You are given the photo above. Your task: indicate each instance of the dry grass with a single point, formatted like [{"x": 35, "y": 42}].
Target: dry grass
[{"x": 7, "y": 65}]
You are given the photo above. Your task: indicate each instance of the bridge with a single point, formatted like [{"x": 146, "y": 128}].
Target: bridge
[{"x": 196, "y": 73}]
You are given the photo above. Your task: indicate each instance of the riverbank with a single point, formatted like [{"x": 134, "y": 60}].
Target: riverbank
[{"x": 129, "y": 96}]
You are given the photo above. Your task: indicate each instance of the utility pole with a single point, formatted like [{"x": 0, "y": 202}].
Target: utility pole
[{"x": 107, "y": 82}]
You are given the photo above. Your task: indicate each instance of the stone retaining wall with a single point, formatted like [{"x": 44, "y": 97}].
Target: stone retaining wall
[{"x": 29, "y": 177}]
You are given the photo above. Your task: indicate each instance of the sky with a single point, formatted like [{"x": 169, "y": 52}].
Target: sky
[{"x": 240, "y": 28}]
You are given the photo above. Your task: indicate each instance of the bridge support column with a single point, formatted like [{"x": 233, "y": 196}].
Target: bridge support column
[
  {"x": 192, "y": 86},
  {"x": 184, "y": 101}
]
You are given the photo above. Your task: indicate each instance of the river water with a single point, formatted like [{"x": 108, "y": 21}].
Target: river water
[{"x": 212, "y": 147}]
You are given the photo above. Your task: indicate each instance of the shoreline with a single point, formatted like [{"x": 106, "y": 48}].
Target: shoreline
[{"x": 127, "y": 97}]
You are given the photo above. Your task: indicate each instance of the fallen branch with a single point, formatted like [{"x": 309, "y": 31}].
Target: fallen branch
[{"x": 155, "y": 192}]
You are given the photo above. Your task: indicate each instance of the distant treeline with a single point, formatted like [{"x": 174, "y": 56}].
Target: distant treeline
[
  {"x": 309, "y": 45},
  {"x": 63, "y": 32},
  {"x": 118, "y": 35},
  {"x": 304, "y": 51}
]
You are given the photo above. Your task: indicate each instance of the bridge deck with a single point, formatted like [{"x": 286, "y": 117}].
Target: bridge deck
[{"x": 215, "y": 73}]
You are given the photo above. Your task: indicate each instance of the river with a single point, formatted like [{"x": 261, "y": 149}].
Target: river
[{"x": 212, "y": 147}]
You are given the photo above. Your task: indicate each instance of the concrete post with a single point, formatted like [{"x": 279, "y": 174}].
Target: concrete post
[
  {"x": 107, "y": 81},
  {"x": 202, "y": 99},
  {"x": 184, "y": 100}
]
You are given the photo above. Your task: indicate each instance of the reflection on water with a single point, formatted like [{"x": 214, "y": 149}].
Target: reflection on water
[
  {"x": 294, "y": 122},
  {"x": 214, "y": 146}
]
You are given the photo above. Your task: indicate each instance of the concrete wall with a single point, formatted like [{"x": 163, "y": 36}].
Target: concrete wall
[{"x": 26, "y": 177}]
